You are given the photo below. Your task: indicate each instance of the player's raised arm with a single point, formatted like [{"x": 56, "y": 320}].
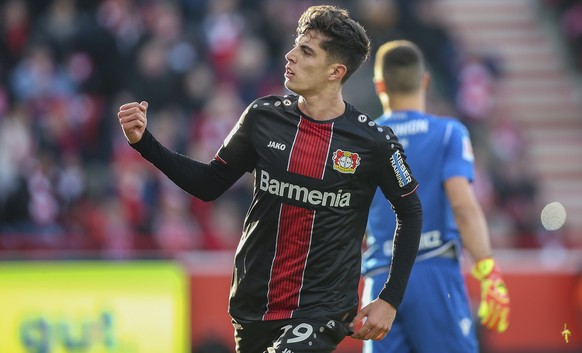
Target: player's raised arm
[{"x": 205, "y": 181}]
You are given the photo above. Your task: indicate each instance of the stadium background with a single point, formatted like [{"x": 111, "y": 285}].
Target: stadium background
[{"x": 101, "y": 253}]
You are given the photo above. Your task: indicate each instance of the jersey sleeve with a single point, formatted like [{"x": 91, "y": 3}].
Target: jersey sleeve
[
  {"x": 396, "y": 178},
  {"x": 237, "y": 150},
  {"x": 459, "y": 159},
  {"x": 399, "y": 186},
  {"x": 205, "y": 181}
]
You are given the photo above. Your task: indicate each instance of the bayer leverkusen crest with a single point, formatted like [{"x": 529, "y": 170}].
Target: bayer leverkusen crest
[{"x": 345, "y": 161}]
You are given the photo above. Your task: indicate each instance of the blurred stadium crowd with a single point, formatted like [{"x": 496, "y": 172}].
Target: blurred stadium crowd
[{"x": 68, "y": 180}]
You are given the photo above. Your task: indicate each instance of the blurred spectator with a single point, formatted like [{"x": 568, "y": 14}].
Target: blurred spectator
[
  {"x": 44, "y": 207},
  {"x": 15, "y": 149},
  {"x": 517, "y": 192},
  {"x": 509, "y": 145},
  {"x": 59, "y": 27},
  {"x": 476, "y": 94},
  {"x": 223, "y": 28},
  {"x": 70, "y": 183},
  {"x": 38, "y": 77},
  {"x": 15, "y": 32},
  {"x": 153, "y": 79},
  {"x": 250, "y": 68},
  {"x": 199, "y": 84},
  {"x": 116, "y": 233},
  {"x": 427, "y": 27},
  {"x": 381, "y": 19},
  {"x": 570, "y": 23},
  {"x": 174, "y": 228},
  {"x": 219, "y": 114}
]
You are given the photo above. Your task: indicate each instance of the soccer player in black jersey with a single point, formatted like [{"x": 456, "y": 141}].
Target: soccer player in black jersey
[{"x": 317, "y": 162}]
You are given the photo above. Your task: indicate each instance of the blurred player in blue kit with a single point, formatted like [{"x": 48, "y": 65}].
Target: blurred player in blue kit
[
  {"x": 317, "y": 162},
  {"x": 435, "y": 315}
]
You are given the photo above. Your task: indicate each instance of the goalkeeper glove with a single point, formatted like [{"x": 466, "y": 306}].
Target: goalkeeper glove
[{"x": 494, "y": 306}]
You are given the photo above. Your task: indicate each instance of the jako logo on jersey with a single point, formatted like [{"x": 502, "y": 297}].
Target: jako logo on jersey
[
  {"x": 301, "y": 193},
  {"x": 345, "y": 161},
  {"x": 277, "y": 145},
  {"x": 402, "y": 173}
]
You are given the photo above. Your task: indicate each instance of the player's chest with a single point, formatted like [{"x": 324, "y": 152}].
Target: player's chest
[{"x": 327, "y": 155}]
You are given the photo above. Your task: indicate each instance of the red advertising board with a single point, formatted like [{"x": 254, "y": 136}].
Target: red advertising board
[{"x": 543, "y": 301}]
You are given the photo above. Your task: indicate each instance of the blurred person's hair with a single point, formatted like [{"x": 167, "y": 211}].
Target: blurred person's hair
[{"x": 400, "y": 64}]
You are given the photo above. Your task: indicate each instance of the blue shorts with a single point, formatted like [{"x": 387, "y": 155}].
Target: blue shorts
[{"x": 435, "y": 315}]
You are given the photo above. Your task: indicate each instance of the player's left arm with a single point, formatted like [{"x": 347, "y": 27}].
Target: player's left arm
[
  {"x": 399, "y": 186},
  {"x": 381, "y": 312},
  {"x": 470, "y": 219},
  {"x": 494, "y": 305},
  {"x": 457, "y": 175}
]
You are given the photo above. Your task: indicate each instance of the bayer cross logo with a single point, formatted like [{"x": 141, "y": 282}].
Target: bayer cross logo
[{"x": 345, "y": 162}]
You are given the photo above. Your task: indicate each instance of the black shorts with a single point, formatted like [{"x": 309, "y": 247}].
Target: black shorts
[{"x": 289, "y": 336}]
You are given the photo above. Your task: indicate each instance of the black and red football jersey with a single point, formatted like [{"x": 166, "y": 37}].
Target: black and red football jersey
[{"x": 300, "y": 251}]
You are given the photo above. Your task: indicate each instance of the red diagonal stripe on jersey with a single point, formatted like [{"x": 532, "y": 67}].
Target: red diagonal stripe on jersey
[{"x": 308, "y": 157}]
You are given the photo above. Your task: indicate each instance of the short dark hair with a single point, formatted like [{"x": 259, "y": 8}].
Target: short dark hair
[
  {"x": 345, "y": 40},
  {"x": 400, "y": 64}
]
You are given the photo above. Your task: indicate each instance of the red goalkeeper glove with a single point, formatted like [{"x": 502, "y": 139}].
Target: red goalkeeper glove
[{"x": 494, "y": 306}]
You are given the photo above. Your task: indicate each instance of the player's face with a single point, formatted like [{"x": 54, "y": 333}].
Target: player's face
[{"x": 308, "y": 68}]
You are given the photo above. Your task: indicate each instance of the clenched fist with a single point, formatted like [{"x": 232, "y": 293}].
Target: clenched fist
[{"x": 133, "y": 120}]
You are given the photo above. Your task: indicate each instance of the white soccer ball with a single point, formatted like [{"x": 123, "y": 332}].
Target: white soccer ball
[{"x": 553, "y": 216}]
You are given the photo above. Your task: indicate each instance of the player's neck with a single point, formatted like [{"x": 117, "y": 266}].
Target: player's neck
[
  {"x": 322, "y": 107},
  {"x": 415, "y": 102}
]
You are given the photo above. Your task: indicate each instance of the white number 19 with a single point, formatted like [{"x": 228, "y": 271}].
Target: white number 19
[{"x": 301, "y": 332}]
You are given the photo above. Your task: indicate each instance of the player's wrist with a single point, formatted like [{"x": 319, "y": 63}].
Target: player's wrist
[
  {"x": 390, "y": 298},
  {"x": 485, "y": 268},
  {"x": 143, "y": 141}
]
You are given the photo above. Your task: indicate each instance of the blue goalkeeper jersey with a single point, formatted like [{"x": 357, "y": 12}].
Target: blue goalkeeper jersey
[{"x": 437, "y": 148}]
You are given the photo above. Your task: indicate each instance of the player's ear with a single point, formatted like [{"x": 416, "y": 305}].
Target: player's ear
[
  {"x": 379, "y": 85},
  {"x": 338, "y": 72},
  {"x": 426, "y": 81}
]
